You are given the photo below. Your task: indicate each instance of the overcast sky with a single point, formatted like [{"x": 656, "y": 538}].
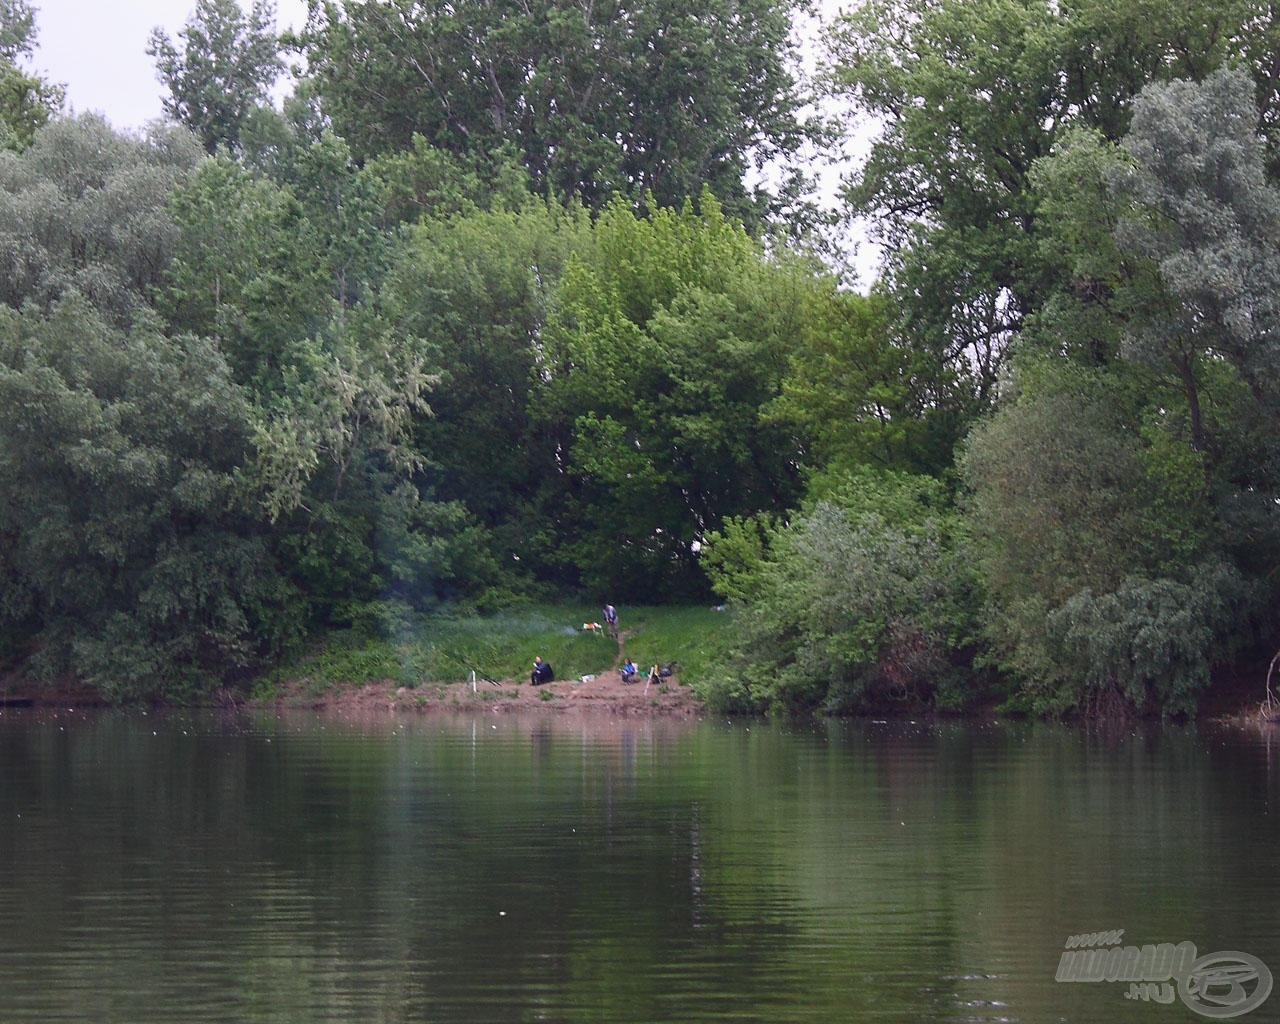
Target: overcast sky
[{"x": 98, "y": 50}]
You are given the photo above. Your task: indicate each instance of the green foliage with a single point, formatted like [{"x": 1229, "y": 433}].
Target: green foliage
[
  {"x": 85, "y": 209},
  {"x": 1208, "y": 218},
  {"x": 389, "y": 382},
  {"x": 855, "y": 395},
  {"x": 128, "y": 556},
  {"x": 1077, "y": 211},
  {"x": 332, "y": 463},
  {"x": 626, "y": 361},
  {"x": 345, "y": 209},
  {"x": 477, "y": 284},
  {"x": 434, "y": 552},
  {"x": 665, "y": 342},
  {"x": 345, "y": 656},
  {"x": 265, "y": 261},
  {"x": 223, "y": 67},
  {"x": 596, "y": 101},
  {"x": 17, "y": 29},
  {"x": 1089, "y": 512},
  {"x": 245, "y": 268},
  {"x": 27, "y": 102},
  {"x": 970, "y": 95},
  {"x": 1148, "y": 644},
  {"x": 735, "y": 554},
  {"x": 425, "y": 181},
  {"x": 861, "y": 601},
  {"x": 1109, "y": 493}
]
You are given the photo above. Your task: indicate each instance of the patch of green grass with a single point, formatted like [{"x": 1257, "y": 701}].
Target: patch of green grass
[
  {"x": 344, "y": 658},
  {"x": 446, "y": 649},
  {"x": 503, "y": 646},
  {"x": 692, "y": 637}
]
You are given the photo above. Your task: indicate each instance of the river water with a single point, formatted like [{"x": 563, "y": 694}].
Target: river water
[{"x": 297, "y": 868}]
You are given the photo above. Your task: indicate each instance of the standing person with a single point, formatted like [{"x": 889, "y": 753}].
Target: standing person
[{"x": 611, "y": 619}]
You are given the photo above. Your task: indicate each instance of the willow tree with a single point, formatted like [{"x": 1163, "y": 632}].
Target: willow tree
[
  {"x": 1122, "y": 498},
  {"x": 85, "y": 208},
  {"x": 134, "y": 557},
  {"x": 969, "y": 96}
]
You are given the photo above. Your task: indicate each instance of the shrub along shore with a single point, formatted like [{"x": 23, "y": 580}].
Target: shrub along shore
[{"x": 446, "y": 662}]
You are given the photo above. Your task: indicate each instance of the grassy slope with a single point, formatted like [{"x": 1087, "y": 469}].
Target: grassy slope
[{"x": 446, "y": 650}]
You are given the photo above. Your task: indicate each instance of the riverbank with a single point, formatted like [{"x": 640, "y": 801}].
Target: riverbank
[
  {"x": 429, "y": 665},
  {"x": 600, "y": 693},
  {"x": 484, "y": 663}
]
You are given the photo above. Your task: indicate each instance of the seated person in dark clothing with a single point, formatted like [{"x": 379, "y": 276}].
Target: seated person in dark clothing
[{"x": 541, "y": 672}]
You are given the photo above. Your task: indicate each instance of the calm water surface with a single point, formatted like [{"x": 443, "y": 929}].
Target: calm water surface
[{"x": 183, "y": 868}]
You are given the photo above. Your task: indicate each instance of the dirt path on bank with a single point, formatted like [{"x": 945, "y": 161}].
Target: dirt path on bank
[
  {"x": 599, "y": 692},
  {"x": 604, "y": 692}
]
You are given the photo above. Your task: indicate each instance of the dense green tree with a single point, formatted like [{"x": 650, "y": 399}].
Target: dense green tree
[
  {"x": 333, "y": 461},
  {"x": 861, "y": 601},
  {"x": 132, "y": 554},
  {"x": 1210, "y": 221},
  {"x": 284, "y": 271},
  {"x": 1164, "y": 245},
  {"x": 267, "y": 260},
  {"x": 1122, "y": 499},
  {"x": 362, "y": 532},
  {"x": 1098, "y": 534},
  {"x": 223, "y": 66},
  {"x": 601, "y": 383},
  {"x": 970, "y": 95},
  {"x": 87, "y": 209},
  {"x": 351, "y": 209},
  {"x": 597, "y": 100},
  {"x": 1096, "y": 289},
  {"x": 344, "y": 205},
  {"x": 426, "y": 181},
  {"x": 666, "y": 342},
  {"x": 477, "y": 285},
  {"x": 26, "y": 104},
  {"x": 1149, "y": 644},
  {"x": 854, "y": 397},
  {"x": 1061, "y": 501},
  {"x": 246, "y": 268},
  {"x": 1131, "y": 240}
]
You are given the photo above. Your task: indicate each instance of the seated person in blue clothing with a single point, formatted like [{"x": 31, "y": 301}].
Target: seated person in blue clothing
[
  {"x": 542, "y": 672},
  {"x": 629, "y": 671}
]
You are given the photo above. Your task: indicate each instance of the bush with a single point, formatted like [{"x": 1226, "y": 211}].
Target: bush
[
  {"x": 860, "y": 602},
  {"x": 1149, "y": 644}
]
